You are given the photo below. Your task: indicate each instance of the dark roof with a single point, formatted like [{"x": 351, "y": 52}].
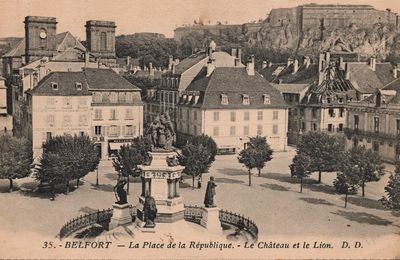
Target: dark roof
[
  {"x": 384, "y": 71},
  {"x": 394, "y": 85},
  {"x": 190, "y": 61},
  {"x": 291, "y": 88},
  {"x": 304, "y": 75},
  {"x": 363, "y": 78},
  {"x": 91, "y": 79},
  {"x": 234, "y": 82}
]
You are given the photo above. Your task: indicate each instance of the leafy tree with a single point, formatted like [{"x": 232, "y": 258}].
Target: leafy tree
[
  {"x": 392, "y": 190},
  {"x": 363, "y": 165},
  {"x": 195, "y": 158},
  {"x": 324, "y": 151},
  {"x": 15, "y": 158},
  {"x": 300, "y": 167},
  {"x": 132, "y": 155},
  {"x": 263, "y": 152},
  {"x": 208, "y": 143},
  {"x": 66, "y": 158},
  {"x": 247, "y": 158}
]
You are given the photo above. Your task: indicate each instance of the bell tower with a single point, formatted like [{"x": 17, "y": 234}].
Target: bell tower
[
  {"x": 40, "y": 37},
  {"x": 100, "y": 39}
]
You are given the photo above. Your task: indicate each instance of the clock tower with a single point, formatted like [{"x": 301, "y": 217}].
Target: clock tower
[
  {"x": 100, "y": 39},
  {"x": 40, "y": 37}
]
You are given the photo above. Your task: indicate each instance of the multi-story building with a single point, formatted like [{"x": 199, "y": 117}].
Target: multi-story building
[
  {"x": 231, "y": 104},
  {"x": 96, "y": 102},
  {"x": 375, "y": 122},
  {"x": 5, "y": 118}
]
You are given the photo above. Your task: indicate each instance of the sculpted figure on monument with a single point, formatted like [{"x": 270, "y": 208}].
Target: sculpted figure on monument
[
  {"x": 120, "y": 192},
  {"x": 210, "y": 193},
  {"x": 150, "y": 211},
  {"x": 161, "y": 132}
]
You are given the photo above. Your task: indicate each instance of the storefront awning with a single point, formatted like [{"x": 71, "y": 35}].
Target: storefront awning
[{"x": 115, "y": 146}]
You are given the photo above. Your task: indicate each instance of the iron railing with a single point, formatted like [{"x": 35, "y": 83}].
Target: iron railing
[
  {"x": 99, "y": 217},
  {"x": 239, "y": 221},
  {"x": 193, "y": 214}
]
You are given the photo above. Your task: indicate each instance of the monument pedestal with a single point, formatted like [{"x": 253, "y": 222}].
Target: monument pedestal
[
  {"x": 121, "y": 215},
  {"x": 210, "y": 220}
]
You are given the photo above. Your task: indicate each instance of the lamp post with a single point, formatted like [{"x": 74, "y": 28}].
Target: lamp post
[{"x": 97, "y": 176}]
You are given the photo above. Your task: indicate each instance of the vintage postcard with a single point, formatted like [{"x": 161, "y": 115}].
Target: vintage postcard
[{"x": 202, "y": 129}]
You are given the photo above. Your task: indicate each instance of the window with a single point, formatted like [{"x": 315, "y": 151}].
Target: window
[
  {"x": 376, "y": 146},
  {"x": 275, "y": 115},
  {"x": 331, "y": 112},
  {"x": 216, "y": 116},
  {"x": 330, "y": 127},
  {"x": 216, "y": 131},
  {"x": 48, "y": 135},
  {"x": 83, "y": 119},
  {"x": 233, "y": 116},
  {"x": 233, "y": 130},
  {"x": 121, "y": 97},
  {"x": 314, "y": 127},
  {"x": 129, "y": 113},
  {"x": 188, "y": 114},
  {"x": 113, "y": 97},
  {"x": 328, "y": 100},
  {"x": 129, "y": 97},
  {"x": 82, "y": 102},
  {"x": 81, "y": 133},
  {"x": 50, "y": 120},
  {"x": 267, "y": 99},
  {"x": 98, "y": 114},
  {"x": 195, "y": 129},
  {"x": 341, "y": 112},
  {"x": 113, "y": 131},
  {"x": 97, "y": 130},
  {"x": 246, "y": 130},
  {"x": 78, "y": 86},
  {"x": 54, "y": 85},
  {"x": 301, "y": 111},
  {"x": 246, "y": 100},
  {"x": 103, "y": 41},
  {"x": 195, "y": 115},
  {"x": 340, "y": 100},
  {"x": 259, "y": 130},
  {"x": 356, "y": 122},
  {"x": 129, "y": 130},
  {"x": 224, "y": 99},
  {"x": 50, "y": 102},
  {"x": 246, "y": 116},
  {"x": 97, "y": 97},
  {"x": 113, "y": 114},
  {"x": 275, "y": 129},
  {"x": 259, "y": 115},
  {"x": 376, "y": 124},
  {"x": 314, "y": 112},
  {"x": 67, "y": 120},
  {"x": 303, "y": 126},
  {"x": 340, "y": 128},
  {"x": 398, "y": 126}
]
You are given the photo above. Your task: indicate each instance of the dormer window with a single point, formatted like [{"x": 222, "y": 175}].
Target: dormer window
[
  {"x": 78, "y": 86},
  {"x": 54, "y": 85},
  {"x": 246, "y": 99},
  {"x": 224, "y": 99},
  {"x": 267, "y": 99}
]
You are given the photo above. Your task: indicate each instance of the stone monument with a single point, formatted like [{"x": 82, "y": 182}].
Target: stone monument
[
  {"x": 210, "y": 218},
  {"x": 121, "y": 208},
  {"x": 160, "y": 178}
]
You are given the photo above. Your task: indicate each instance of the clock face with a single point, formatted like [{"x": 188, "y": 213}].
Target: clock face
[{"x": 43, "y": 34}]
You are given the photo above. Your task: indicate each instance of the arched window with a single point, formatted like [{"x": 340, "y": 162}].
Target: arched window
[{"x": 103, "y": 41}]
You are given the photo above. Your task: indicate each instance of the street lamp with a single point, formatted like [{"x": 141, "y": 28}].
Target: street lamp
[{"x": 97, "y": 176}]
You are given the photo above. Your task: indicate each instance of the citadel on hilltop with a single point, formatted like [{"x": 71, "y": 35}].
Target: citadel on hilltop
[{"x": 302, "y": 18}]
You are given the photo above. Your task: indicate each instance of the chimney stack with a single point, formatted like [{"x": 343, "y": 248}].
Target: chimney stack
[
  {"x": 86, "y": 59},
  {"x": 210, "y": 67},
  {"x": 321, "y": 62},
  {"x": 173, "y": 68},
  {"x": 289, "y": 61},
  {"x": 237, "y": 62},
  {"x": 341, "y": 63},
  {"x": 347, "y": 71},
  {"x": 372, "y": 63},
  {"x": 239, "y": 54},
  {"x": 295, "y": 66},
  {"x": 327, "y": 57},
  {"x": 250, "y": 66},
  {"x": 264, "y": 64},
  {"x": 151, "y": 69},
  {"x": 269, "y": 64},
  {"x": 395, "y": 72},
  {"x": 170, "y": 61},
  {"x": 234, "y": 52}
]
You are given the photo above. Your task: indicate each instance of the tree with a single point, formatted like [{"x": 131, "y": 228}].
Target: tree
[
  {"x": 262, "y": 153},
  {"x": 300, "y": 167},
  {"x": 362, "y": 164},
  {"x": 195, "y": 158},
  {"x": 247, "y": 158},
  {"x": 208, "y": 143},
  {"x": 65, "y": 158},
  {"x": 132, "y": 155},
  {"x": 15, "y": 158},
  {"x": 392, "y": 190},
  {"x": 324, "y": 151}
]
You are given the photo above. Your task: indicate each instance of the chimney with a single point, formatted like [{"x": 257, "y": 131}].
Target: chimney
[
  {"x": 269, "y": 64},
  {"x": 372, "y": 63},
  {"x": 170, "y": 61},
  {"x": 321, "y": 62},
  {"x": 250, "y": 66},
  {"x": 239, "y": 54},
  {"x": 176, "y": 61},
  {"x": 234, "y": 52},
  {"x": 327, "y": 57},
  {"x": 395, "y": 72},
  {"x": 210, "y": 67},
  {"x": 86, "y": 59},
  {"x": 264, "y": 64},
  {"x": 151, "y": 69},
  {"x": 173, "y": 68},
  {"x": 295, "y": 66},
  {"x": 341, "y": 63},
  {"x": 237, "y": 62},
  {"x": 280, "y": 81},
  {"x": 289, "y": 61},
  {"x": 347, "y": 71}
]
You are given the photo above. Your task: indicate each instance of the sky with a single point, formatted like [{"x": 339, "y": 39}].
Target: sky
[{"x": 161, "y": 16}]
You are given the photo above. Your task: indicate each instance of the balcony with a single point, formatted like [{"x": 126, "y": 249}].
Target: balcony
[{"x": 369, "y": 134}]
